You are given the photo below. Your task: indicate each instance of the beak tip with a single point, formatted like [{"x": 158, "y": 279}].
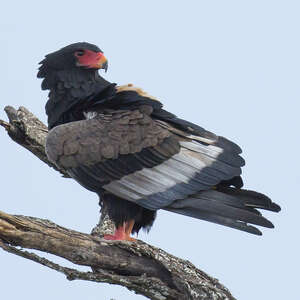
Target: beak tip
[{"x": 105, "y": 66}]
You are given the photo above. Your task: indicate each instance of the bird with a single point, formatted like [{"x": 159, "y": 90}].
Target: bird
[{"x": 119, "y": 142}]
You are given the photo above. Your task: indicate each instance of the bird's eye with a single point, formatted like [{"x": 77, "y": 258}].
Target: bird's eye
[{"x": 79, "y": 53}]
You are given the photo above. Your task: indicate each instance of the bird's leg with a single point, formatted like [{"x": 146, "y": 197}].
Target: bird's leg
[
  {"x": 128, "y": 229},
  {"x": 122, "y": 233}
]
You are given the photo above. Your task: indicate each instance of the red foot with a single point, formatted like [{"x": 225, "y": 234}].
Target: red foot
[{"x": 122, "y": 233}]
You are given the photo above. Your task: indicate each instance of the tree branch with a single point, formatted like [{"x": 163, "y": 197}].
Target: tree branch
[{"x": 140, "y": 267}]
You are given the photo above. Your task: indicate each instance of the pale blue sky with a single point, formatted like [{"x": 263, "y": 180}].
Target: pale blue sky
[{"x": 229, "y": 66}]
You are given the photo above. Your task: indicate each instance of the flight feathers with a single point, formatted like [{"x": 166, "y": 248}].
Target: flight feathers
[{"x": 236, "y": 208}]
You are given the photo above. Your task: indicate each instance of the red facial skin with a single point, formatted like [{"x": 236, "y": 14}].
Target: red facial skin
[{"x": 90, "y": 59}]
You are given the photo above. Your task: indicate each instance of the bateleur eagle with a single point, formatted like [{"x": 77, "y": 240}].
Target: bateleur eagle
[{"x": 120, "y": 143}]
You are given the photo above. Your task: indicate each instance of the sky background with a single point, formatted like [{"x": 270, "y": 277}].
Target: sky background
[{"x": 229, "y": 66}]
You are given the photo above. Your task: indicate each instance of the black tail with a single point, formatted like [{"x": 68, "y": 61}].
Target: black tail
[{"x": 229, "y": 207}]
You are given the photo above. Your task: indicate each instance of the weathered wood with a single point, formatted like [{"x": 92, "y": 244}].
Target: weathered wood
[
  {"x": 147, "y": 270},
  {"x": 29, "y": 132},
  {"x": 140, "y": 267}
]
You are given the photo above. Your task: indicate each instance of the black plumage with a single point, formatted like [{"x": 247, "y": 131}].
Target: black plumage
[{"x": 120, "y": 143}]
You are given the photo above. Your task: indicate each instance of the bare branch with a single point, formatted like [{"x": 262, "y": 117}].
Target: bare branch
[
  {"x": 140, "y": 267},
  {"x": 29, "y": 132}
]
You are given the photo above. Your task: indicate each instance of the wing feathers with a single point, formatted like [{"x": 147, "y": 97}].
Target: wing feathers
[
  {"x": 227, "y": 157},
  {"x": 181, "y": 175},
  {"x": 155, "y": 168},
  {"x": 134, "y": 149},
  {"x": 251, "y": 198},
  {"x": 224, "y": 209},
  {"x": 202, "y": 215},
  {"x": 212, "y": 203}
]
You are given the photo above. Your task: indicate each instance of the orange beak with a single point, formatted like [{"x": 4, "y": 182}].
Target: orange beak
[{"x": 101, "y": 62}]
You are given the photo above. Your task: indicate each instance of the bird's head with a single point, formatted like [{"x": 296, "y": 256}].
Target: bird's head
[
  {"x": 72, "y": 58},
  {"x": 71, "y": 75}
]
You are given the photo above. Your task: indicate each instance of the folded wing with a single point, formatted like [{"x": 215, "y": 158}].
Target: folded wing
[
  {"x": 140, "y": 159},
  {"x": 158, "y": 162}
]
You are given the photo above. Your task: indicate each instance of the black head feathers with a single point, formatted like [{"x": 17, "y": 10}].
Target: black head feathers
[
  {"x": 61, "y": 60},
  {"x": 71, "y": 75}
]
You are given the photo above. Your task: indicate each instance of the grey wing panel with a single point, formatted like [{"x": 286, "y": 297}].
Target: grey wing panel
[
  {"x": 112, "y": 171},
  {"x": 196, "y": 167}
]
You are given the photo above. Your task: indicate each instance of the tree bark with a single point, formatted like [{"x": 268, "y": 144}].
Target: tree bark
[{"x": 137, "y": 266}]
